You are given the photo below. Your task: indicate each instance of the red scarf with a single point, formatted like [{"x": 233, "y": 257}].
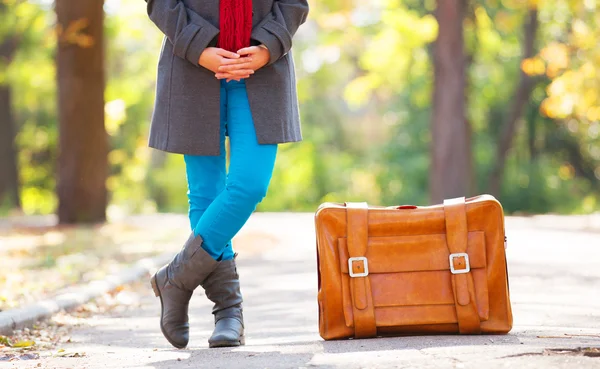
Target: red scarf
[{"x": 235, "y": 20}]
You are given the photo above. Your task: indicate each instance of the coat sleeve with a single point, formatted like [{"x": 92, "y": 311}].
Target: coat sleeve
[
  {"x": 276, "y": 30},
  {"x": 189, "y": 33}
]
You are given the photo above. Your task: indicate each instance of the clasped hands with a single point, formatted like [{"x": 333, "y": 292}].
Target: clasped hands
[{"x": 234, "y": 66}]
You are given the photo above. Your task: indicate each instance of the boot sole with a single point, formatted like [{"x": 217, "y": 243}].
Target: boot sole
[
  {"x": 157, "y": 294},
  {"x": 240, "y": 342}
]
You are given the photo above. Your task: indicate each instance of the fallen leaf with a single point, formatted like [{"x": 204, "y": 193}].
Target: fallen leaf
[
  {"x": 24, "y": 344},
  {"x": 70, "y": 354},
  {"x": 117, "y": 290},
  {"x": 579, "y": 351},
  {"x": 591, "y": 351},
  {"x": 5, "y": 341}
]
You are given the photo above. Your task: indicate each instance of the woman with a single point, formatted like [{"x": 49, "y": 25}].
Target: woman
[{"x": 224, "y": 69}]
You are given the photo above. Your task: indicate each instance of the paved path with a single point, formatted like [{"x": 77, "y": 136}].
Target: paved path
[{"x": 555, "y": 289}]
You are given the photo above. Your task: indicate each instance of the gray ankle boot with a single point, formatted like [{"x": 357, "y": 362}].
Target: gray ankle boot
[
  {"x": 175, "y": 282},
  {"x": 223, "y": 288}
]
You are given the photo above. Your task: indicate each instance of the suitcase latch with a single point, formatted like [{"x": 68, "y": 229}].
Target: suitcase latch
[
  {"x": 467, "y": 267},
  {"x": 365, "y": 266}
]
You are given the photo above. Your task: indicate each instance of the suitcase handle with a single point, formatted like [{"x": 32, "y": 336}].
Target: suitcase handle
[{"x": 402, "y": 207}]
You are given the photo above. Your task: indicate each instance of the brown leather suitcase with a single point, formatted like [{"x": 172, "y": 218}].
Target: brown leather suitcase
[{"x": 412, "y": 269}]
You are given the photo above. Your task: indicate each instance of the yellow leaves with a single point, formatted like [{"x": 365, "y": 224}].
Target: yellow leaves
[
  {"x": 573, "y": 93},
  {"x": 428, "y": 28},
  {"x": 556, "y": 56},
  {"x": 5, "y": 341},
  {"x": 412, "y": 30},
  {"x": 63, "y": 353},
  {"x": 557, "y": 107},
  {"x": 590, "y": 5},
  {"x": 503, "y": 21},
  {"x": 38, "y": 200},
  {"x": 27, "y": 343},
  {"x": 589, "y": 203},
  {"x": 520, "y": 4},
  {"x": 358, "y": 91},
  {"x": 533, "y": 66},
  {"x": 483, "y": 20},
  {"x": 589, "y": 98},
  {"x": 390, "y": 53},
  {"x": 135, "y": 173},
  {"x": 582, "y": 36},
  {"x": 563, "y": 96},
  {"x": 487, "y": 33},
  {"x": 383, "y": 52},
  {"x": 566, "y": 172},
  {"x": 593, "y": 114},
  {"x": 571, "y": 65},
  {"x": 580, "y": 29},
  {"x": 74, "y": 33},
  {"x": 112, "y": 183},
  {"x": 115, "y": 115},
  {"x": 533, "y": 4},
  {"x": 588, "y": 70},
  {"x": 511, "y": 4},
  {"x": 117, "y": 157}
]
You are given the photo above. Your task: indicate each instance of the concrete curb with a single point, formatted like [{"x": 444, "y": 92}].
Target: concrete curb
[{"x": 13, "y": 319}]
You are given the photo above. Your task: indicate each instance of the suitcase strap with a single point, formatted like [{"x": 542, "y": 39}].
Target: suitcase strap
[
  {"x": 360, "y": 286},
  {"x": 462, "y": 279}
]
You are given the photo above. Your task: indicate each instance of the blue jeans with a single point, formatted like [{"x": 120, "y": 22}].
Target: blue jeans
[{"x": 221, "y": 202}]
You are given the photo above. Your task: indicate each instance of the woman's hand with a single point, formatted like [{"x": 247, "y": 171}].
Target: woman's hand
[
  {"x": 256, "y": 57},
  {"x": 212, "y": 58}
]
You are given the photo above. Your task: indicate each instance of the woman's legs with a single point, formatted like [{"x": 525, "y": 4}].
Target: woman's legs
[
  {"x": 219, "y": 206},
  {"x": 206, "y": 176},
  {"x": 245, "y": 186},
  {"x": 250, "y": 172},
  {"x": 206, "y": 179}
]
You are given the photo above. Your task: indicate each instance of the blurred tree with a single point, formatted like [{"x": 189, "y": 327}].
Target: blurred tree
[
  {"x": 517, "y": 106},
  {"x": 9, "y": 178},
  {"x": 83, "y": 145},
  {"x": 450, "y": 171},
  {"x": 366, "y": 79}
]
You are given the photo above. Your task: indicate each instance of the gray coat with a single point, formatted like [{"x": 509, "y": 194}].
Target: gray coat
[{"x": 187, "y": 108}]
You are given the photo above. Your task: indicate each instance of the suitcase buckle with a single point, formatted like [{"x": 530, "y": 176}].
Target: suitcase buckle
[
  {"x": 467, "y": 267},
  {"x": 365, "y": 266}
]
